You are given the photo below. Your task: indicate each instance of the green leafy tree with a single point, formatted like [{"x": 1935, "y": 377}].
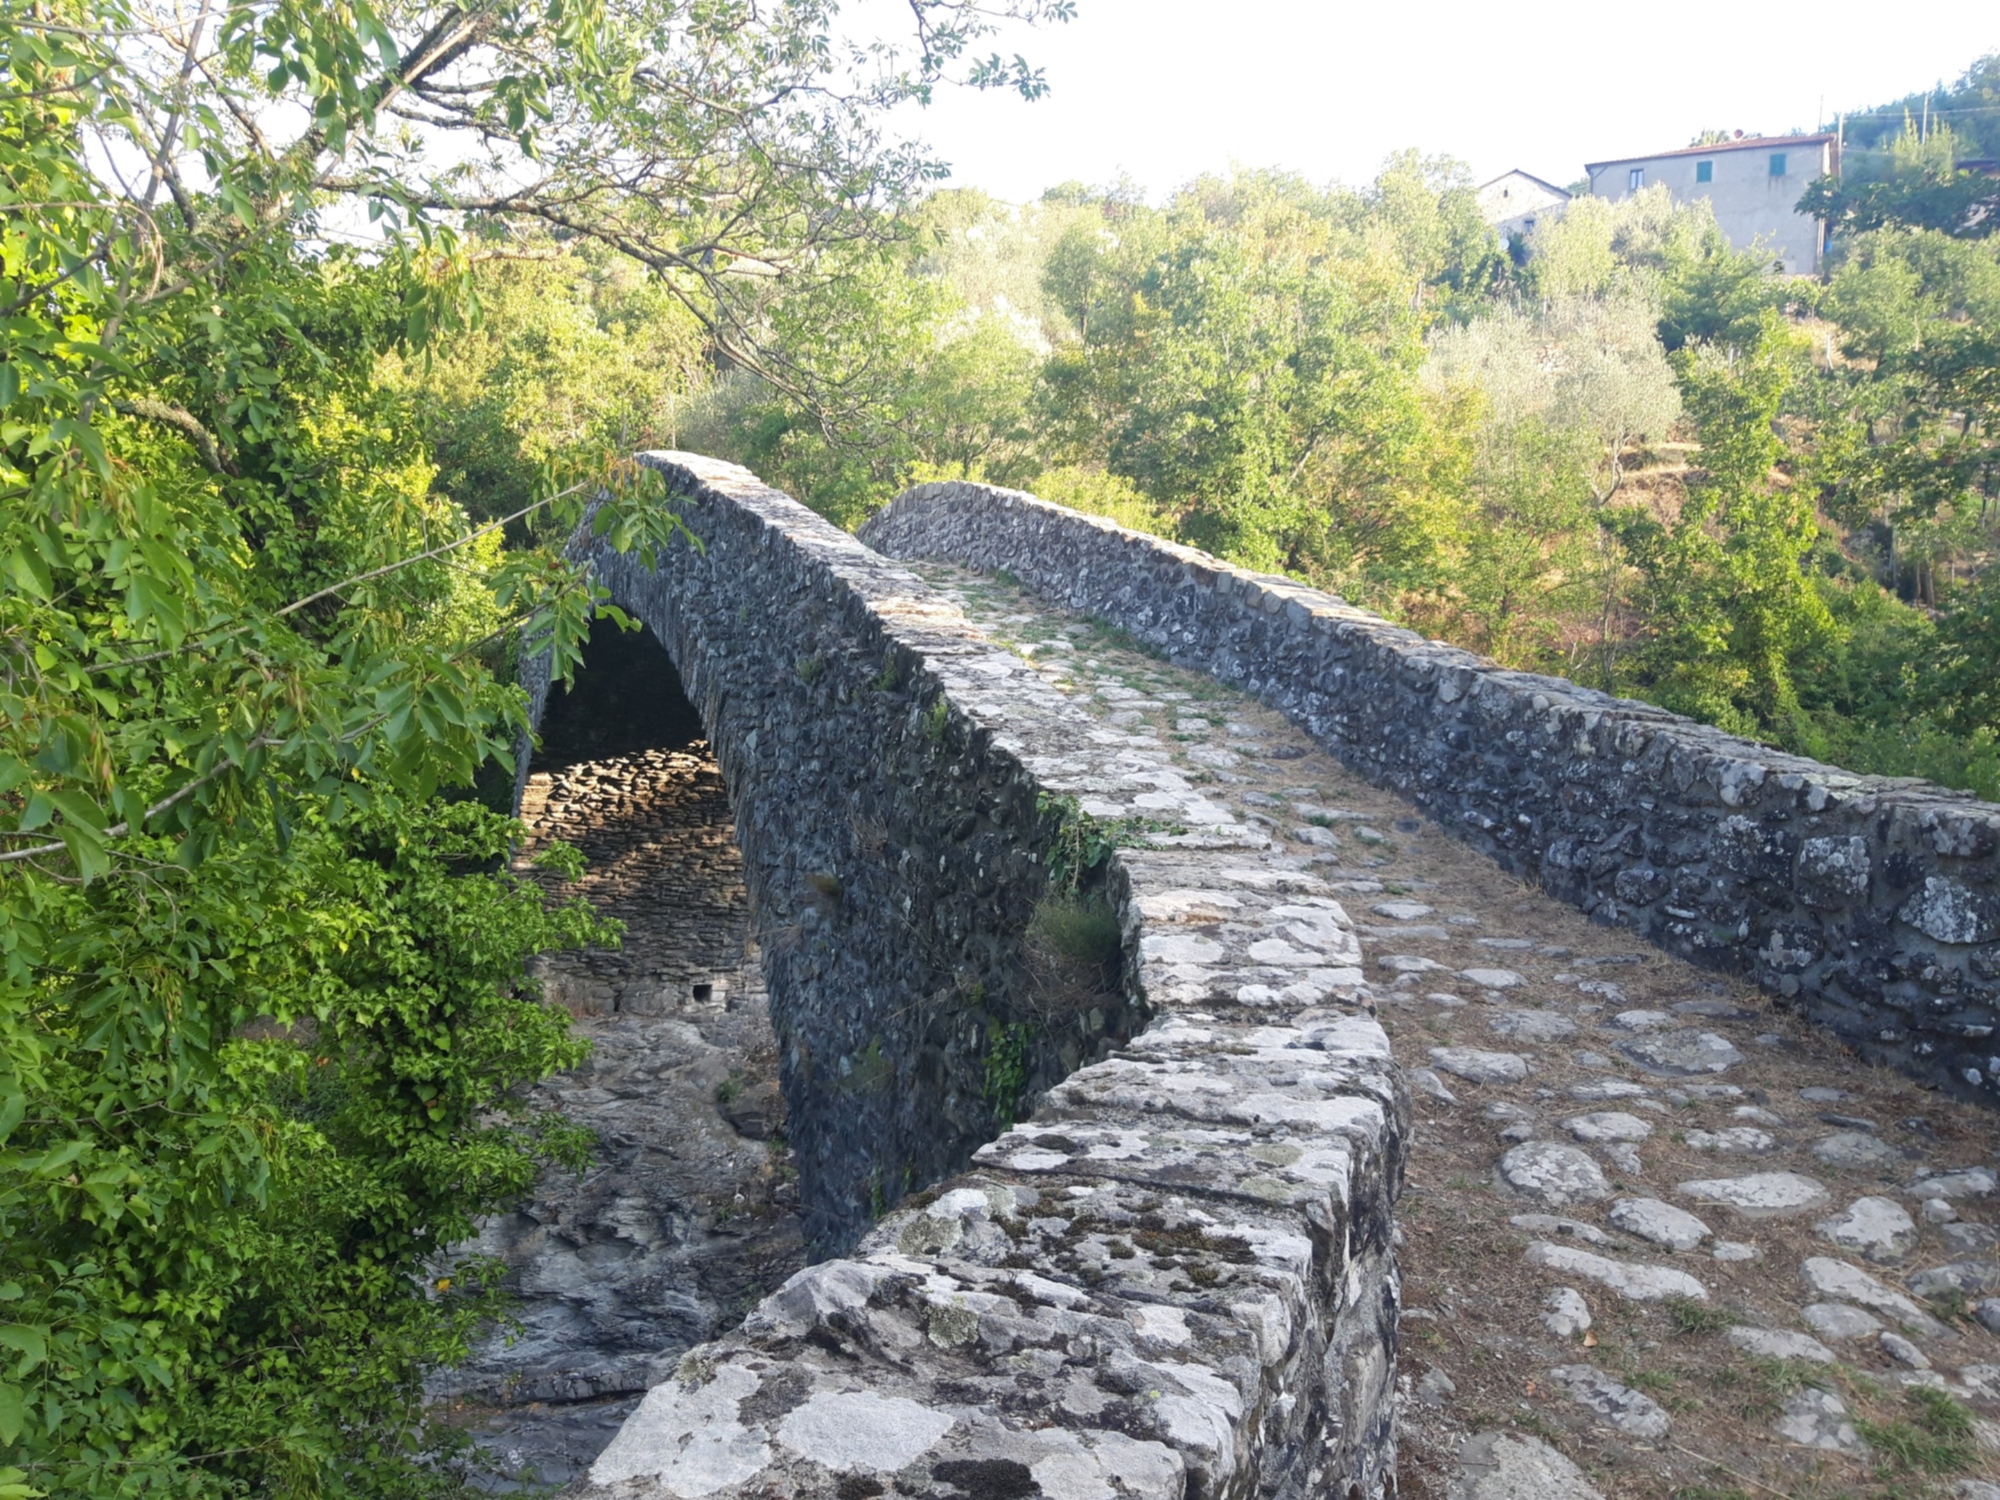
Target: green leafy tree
[
  {"x": 1727, "y": 604},
  {"x": 262, "y": 1002}
]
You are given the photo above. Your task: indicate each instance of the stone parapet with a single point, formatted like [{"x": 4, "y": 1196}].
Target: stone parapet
[
  {"x": 1874, "y": 903},
  {"x": 1175, "y": 1278}
]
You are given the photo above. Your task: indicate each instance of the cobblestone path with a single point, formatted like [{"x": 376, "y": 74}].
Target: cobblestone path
[{"x": 1660, "y": 1238}]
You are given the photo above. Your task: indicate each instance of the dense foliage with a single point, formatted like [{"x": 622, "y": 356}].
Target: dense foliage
[
  {"x": 1631, "y": 456},
  {"x": 318, "y": 327},
  {"x": 264, "y": 1021}
]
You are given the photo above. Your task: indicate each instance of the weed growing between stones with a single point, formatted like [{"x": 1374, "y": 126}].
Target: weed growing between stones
[
  {"x": 1006, "y": 1068},
  {"x": 1081, "y": 930},
  {"x": 1691, "y": 1318},
  {"x": 1935, "y": 1438},
  {"x": 937, "y": 719}
]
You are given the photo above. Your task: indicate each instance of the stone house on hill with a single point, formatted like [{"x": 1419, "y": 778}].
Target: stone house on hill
[
  {"x": 1514, "y": 203},
  {"x": 1752, "y": 182}
]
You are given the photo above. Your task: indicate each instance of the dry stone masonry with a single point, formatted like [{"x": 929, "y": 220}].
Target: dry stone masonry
[
  {"x": 1874, "y": 902},
  {"x": 1696, "y": 1326},
  {"x": 1660, "y": 1235},
  {"x": 1176, "y": 1276}
]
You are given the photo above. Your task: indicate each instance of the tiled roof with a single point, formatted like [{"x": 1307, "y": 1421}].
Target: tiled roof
[{"x": 1748, "y": 143}]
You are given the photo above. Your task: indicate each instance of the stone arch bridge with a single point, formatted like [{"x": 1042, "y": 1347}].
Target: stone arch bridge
[{"x": 1100, "y": 1136}]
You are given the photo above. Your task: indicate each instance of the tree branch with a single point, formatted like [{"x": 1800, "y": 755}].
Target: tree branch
[{"x": 184, "y": 422}]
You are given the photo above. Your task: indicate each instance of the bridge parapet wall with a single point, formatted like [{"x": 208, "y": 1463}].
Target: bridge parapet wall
[
  {"x": 1873, "y": 903},
  {"x": 1176, "y": 1279}
]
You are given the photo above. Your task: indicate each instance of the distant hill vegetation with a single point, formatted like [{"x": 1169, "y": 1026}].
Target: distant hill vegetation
[{"x": 1970, "y": 107}]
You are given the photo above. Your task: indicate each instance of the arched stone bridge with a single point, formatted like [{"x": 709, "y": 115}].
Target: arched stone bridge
[{"x": 1177, "y": 1277}]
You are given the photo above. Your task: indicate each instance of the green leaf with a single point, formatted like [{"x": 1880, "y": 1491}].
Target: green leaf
[
  {"x": 30, "y": 1341},
  {"x": 10, "y": 1429}
]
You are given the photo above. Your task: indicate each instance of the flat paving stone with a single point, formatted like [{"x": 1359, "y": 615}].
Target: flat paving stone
[
  {"x": 1761, "y": 1194},
  {"x": 1876, "y": 1229},
  {"x": 1530, "y": 1025},
  {"x": 1817, "y": 1419},
  {"x": 1778, "y": 1343},
  {"x": 1635, "y": 1283},
  {"x": 1857, "y": 1150},
  {"x": 1475, "y": 1066},
  {"x": 1633, "y": 1413},
  {"x": 1594, "y": 1089},
  {"x": 1493, "y": 979},
  {"x": 1554, "y": 1174},
  {"x": 1607, "y": 1125},
  {"x": 1681, "y": 1054},
  {"x": 1507, "y": 1466},
  {"x": 1844, "y": 1283},
  {"x": 1639, "y": 1020},
  {"x": 1657, "y": 1222},
  {"x": 1972, "y": 1182},
  {"x": 1402, "y": 911},
  {"x": 1734, "y": 1140},
  {"x": 1839, "y": 1322},
  {"x": 1964, "y": 1278},
  {"x": 1408, "y": 963}
]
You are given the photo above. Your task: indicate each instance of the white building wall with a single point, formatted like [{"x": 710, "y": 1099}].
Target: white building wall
[
  {"x": 1516, "y": 203},
  {"x": 1754, "y": 208}
]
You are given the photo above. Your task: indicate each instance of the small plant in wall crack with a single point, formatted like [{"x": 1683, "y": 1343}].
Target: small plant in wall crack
[
  {"x": 936, "y": 720},
  {"x": 1006, "y": 1068},
  {"x": 810, "y": 669}
]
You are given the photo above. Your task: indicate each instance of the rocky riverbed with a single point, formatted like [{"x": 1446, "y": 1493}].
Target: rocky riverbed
[
  {"x": 1662, "y": 1239},
  {"x": 689, "y": 1212}
]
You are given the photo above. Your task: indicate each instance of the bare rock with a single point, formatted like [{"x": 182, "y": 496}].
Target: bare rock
[
  {"x": 1565, "y": 1314},
  {"x": 1681, "y": 1054},
  {"x": 1845, "y": 1283},
  {"x": 1734, "y": 1140},
  {"x": 1596, "y": 1090},
  {"x": 1657, "y": 1222},
  {"x": 1839, "y": 1322},
  {"x": 1607, "y": 1125},
  {"x": 1972, "y": 1182},
  {"x": 1857, "y": 1151},
  {"x": 1531, "y": 1025},
  {"x": 1902, "y": 1351},
  {"x": 1632, "y": 1412},
  {"x": 1475, "y": 1066},
  {"x": 1776, "y": 1343},
  {"x": 1553, "y": 1173},
  {"x": 1506, "y": 1466},
  {"x": 1635, "y": 1283},
  {"x": 1817, "y": 1419},
  {"x": 1966, "y": 1278},
  {"x": 1876, "y": 1229},
  {"x": 1761, "y": 1194}
]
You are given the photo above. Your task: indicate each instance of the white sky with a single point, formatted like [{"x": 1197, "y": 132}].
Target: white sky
[{"x": 1165, "y": 89}]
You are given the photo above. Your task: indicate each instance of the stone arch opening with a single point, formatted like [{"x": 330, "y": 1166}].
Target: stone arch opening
[{"x": 625, "y": 698}]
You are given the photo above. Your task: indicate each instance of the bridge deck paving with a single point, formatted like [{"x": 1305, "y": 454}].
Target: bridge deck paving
[{"x": 1572, "y": 1089}]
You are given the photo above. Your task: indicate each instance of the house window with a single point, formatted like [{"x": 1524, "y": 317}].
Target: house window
[
  {"x": 1704, "y": 171},
  {"x": 1635, "y": 179},
  {"x": 1777, "y": 164}
]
